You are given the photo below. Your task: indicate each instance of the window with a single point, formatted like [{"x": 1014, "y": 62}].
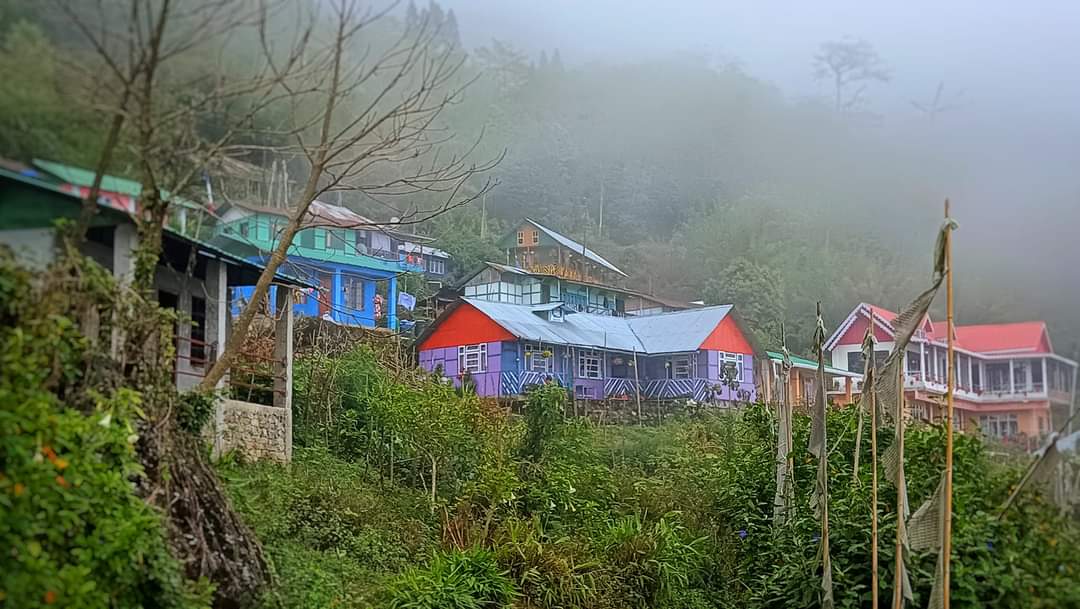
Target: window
[
  {"x": 436, "y": 266},
  {"x": 537, "y": 358},
  {"x": 354, "y": 292},
  {"x": 732, "y": 366},
  {"x": 521, "y": 237},
  {"x": 856, "y": 362},
  {"x": 679, "y": 368},
  {"x": 307, "y": 238},
  {"x": 589, "y": 365},
  {"x": 198, "y": 332},
  {"x": 244, "y": 229},
  {"x": 472, "y": 358},
  {"x": 535, "y": 237},
  {"x": 999, "y": 425},
  {"x": 334, "y": 241}
]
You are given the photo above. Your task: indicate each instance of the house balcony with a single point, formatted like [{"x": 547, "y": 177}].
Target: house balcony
[
  {"x": 1001, "y": 392},
  {"x": 615, "y": 388}
]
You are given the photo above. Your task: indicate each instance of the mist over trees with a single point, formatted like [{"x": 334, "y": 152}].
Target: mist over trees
[{"x": 702, "y": 180}]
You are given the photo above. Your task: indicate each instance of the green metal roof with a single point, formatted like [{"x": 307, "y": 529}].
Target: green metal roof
[
  {"x": 802, "y": 362},
  {"x": 85, "y": 178}
]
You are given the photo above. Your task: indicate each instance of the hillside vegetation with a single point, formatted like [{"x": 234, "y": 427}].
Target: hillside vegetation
[{"x": 535, "y": 511}]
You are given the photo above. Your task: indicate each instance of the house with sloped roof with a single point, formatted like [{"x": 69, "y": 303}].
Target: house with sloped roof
[
  {"x": 502, "y": 349},
  {"x": 355, "y": 261},
  {"x": 542, "y": 266},
  {"x": 1010, "y": 383}
]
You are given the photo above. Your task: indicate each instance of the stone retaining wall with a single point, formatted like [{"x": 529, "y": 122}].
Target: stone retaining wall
[{"x": 254, "y": 430}]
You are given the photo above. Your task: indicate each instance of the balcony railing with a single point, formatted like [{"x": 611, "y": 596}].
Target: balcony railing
[{"x": 614, "y": 388}]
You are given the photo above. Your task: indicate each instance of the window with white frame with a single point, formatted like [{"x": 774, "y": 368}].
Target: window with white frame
[
  {"x": 537, "y": 358},
  {"x": 436, "y": 266},
  {"x": 679, "y": 367},
  {"x": 732, "y": 366},
  {"x": 590, "y": 365},
  {"x": 472, "y": 358},
  {"x": 999, "y": 425}
]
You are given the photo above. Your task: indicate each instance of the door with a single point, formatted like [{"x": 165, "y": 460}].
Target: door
[{"x": 326, "y": 293}]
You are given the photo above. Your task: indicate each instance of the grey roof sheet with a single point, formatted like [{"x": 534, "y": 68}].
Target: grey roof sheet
[
  {"x": 681, "y": 331},
  {"x": 577, "y": 247}
]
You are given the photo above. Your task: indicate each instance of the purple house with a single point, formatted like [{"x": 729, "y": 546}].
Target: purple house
[{"x": 701, "y": 354}]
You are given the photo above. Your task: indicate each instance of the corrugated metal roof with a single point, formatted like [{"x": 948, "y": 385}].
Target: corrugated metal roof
[
  {"x": 577, "y": 247},
  {"x": 678, "y": 332},
  {"x": 807, "y": 364}
]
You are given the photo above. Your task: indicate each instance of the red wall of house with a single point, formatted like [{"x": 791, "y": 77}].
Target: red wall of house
[
  {"x": 855, "y": 333},
  {"x": 466, "y": 326},
  {"x": 727, "y": 336}
]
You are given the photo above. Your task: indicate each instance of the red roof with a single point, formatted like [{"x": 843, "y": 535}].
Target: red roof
[
  {"x": 883, "y": 314},
  {"x": 987, "y": 338}
]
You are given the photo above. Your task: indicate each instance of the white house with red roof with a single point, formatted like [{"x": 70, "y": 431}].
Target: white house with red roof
[{"x": 1009, "y": 384}]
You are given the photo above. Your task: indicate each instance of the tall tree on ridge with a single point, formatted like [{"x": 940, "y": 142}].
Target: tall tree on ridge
[{"x": 851, "y": 65}]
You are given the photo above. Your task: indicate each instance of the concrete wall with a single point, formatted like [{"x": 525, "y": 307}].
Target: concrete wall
[
  {"x": 32, "y": 246},
  {"x": 255, "y": 431}
]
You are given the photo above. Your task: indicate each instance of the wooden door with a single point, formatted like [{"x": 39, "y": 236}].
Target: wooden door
[{"x": 326, "y": 293}]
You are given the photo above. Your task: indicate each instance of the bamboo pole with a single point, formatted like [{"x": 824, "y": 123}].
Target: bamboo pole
[
  {"x": 873, "y": 474},
  {"x": 637, "y": 388},
  {"x": 901, "y": 498},
  {"x": 946, "y": 538}
]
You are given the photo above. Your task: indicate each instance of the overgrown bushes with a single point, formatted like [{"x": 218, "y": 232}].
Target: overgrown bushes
[
  {"x": 74, "y": 532},
  {"x": 569, "y": 515}
]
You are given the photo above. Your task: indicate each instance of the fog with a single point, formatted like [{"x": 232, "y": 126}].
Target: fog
[{"x": 1007, "y": 141}]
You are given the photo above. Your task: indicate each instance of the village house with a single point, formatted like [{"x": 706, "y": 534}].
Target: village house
[
  {"x": 802, "y": 381},
  {"x": 503, "y": 349},
  {"x": 354, "y": 261},
  {"x": 31, "y": 202},
  {"x": 1009, "y": 382},
  {"x": 542, "y": 266}
]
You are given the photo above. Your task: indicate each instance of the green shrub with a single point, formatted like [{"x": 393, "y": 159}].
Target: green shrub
[
  {"x": 455, "y": 580},
  {"x": 652, "y": 563},
  {"x": 73, "y": 532}
]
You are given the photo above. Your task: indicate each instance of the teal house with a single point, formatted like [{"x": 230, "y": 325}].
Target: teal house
[{"x": 354, "y": 261}]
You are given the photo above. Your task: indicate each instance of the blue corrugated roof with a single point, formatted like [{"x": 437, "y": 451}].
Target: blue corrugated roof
[
  {"x": 678, "y": 332},
  {"x": 577, "y": 247}
]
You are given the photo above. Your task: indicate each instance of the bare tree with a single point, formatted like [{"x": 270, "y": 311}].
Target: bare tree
[
  {"x": 366, "y": 120},
  {"x": 852, "y": 65},
  {"x": 159, "y": 72}
]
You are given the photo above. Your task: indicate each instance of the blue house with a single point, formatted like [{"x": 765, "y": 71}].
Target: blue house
[{"x": 355, "y": 261}]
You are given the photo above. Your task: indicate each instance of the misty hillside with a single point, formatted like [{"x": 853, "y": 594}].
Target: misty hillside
[{"x": 702, "y": 179}]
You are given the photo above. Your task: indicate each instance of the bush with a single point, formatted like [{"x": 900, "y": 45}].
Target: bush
[
  {"x": 73, "y": 531},
  {"x": 455, "y": 580}
]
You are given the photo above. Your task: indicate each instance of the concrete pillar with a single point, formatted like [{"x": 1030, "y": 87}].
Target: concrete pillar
[
  {"x": 1045, "y": 379},
  {"x": 971, "y": 379},
  {"x": 184, "y": 379},
  {"x": 922, "y": 361},
  {"x": 217, "y": 309},
  {"x": 847, "y": 389},
  {"x": 1012, "y": 378},
  {"x": 125, "y": 240},
  {"x": 391, "y": 304},
  {"x": 283, "y": 362},
  {"x": 337, "y": 302}
]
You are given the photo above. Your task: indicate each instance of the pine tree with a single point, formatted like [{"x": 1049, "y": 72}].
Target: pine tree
[
  {"x": 412, "y": 16},
  {"x": 450, "y": 30},
  {"x": 556, "y": 62},
  {"x": 436, "y": 17}
]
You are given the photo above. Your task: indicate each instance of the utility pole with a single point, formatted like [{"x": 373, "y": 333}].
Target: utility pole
[
  {"x": 483, "y": 215},
  {"x": 600, "y": 227}
]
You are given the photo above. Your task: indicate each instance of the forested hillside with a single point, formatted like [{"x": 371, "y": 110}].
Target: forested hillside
[{"x": 704, "y": 181}]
